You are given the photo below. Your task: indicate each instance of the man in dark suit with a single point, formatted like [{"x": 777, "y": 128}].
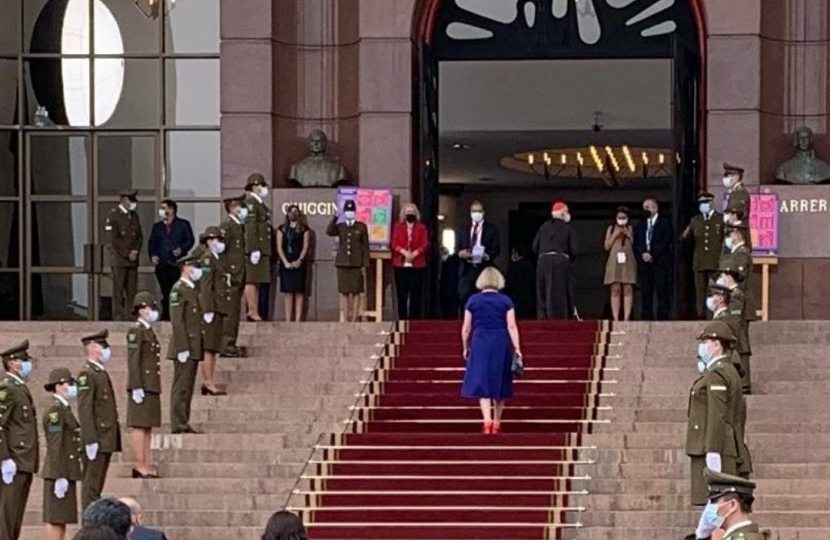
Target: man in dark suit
[
  {"x": 140, "y": 532},
  {"x": 653, "y": 249},
  {"x": 478, "y": 248},
  {"x": 171, "y": 239}
]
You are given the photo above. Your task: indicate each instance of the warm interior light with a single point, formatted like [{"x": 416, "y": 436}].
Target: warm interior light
[
  {"x": 448, "y": 240},
  {"x": 530, "y": 159}
]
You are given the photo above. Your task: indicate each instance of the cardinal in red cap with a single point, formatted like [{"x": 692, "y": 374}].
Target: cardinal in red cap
[{"x": 556, "y": 246}]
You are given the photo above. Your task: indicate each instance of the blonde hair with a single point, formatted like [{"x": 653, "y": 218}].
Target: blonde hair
[
  {"x": 490, "y": 278},
  {"x": 407, "y": 206}
]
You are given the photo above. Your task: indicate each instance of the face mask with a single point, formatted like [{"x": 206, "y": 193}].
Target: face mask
[
  {"x": 701, "y": 366},
  {"x": 710, "y": 304},
  {"x": 162, "y": 213},
  {"x": 71, "y": 391},
  {"x": 349, "y": 215},
  {"x": 106, "y": 355},
  {"x": 293, "y": 218},
  {"x": 196, "y": 275},
  {"x": 153, "y": 316},
  {"x": 242, "y": 214},
  {"x": 219, "y": 248},
  {"x": 263, "y": 192},
  {"x": 703, "y": 352},
  {"x": 704, "y": 208},
  {"x": 728, "y": 242},
  {"x": 411, "y": 218},
  {"x": 622, "y": 222},
  {"x": 25, "y": 368},
  {"x": 647, "y": 213},
  {"x": 477, "y": 217},
  {"x": 711, "y": 517},
  {"x": 721, "y": 281},
  {"x": 566, "y": 218},
  {"x": 727, "y": 182},
  {"x": 132, "y": 206}
]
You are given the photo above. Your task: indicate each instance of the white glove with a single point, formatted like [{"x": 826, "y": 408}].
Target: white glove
[
  {"x": 92, "y": 451},
  {"x": 713, "y": 461},
  {"x": 61, "y": 487},
  {"x": 255, "y": 256},
  {"x": 183, "y": 356},
  {"x": 138, "y": 396},
  {"x": 208, "y": 317},
  {"x": 9, "y": 469}
]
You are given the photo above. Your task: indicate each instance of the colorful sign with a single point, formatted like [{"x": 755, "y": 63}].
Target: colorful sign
[
  {"x": 374, "y": 208},
  {"x": 763, "y": 222}
]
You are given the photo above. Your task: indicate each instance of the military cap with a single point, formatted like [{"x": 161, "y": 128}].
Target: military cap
[
  {"x": 727, "y": 265},
  {"x": 240, "y": 200},
  {"x": 131, "y": 194},
  {"x": 189, "y": 260},
  {"x": 58, "y": 376},
  {"x": 349, "y": 205},
  {"x": 721, "y": 484},
  {"x": 736, "y": 226},
  {"x": 144, "y": 299},
  {"x": 21, "y": 350},
  {"x": 705, "y": 196},
  {"x": 717, "y": 330},
  {"x": 716, "y": 288},
  {"x": 210, "y": 232},
  {"x": 256, "y": 179},
  {"x": 729, "y": 168},
  {"x": 100, "y": 337}
]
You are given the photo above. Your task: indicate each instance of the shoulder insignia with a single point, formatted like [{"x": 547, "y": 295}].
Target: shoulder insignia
[
  {"x": 174, "y": 297},
  {"x": 735, "y": 312},
  {"x": 54, "y": 417},
  {"x": 717, "y": 388},
  {"x": 131, "y": 336},
  {"x": 83, "y": 381},
  {"x": 3, "y": 395}
]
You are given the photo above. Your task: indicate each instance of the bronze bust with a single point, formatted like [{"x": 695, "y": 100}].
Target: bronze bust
[
  {"x": 804, "y": 167},
  {"x": 316, "y": 170}
]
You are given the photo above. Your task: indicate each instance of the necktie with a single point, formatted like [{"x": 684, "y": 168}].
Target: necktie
[
  {"x": 649, "y": 230},
  {"x": 474, "y": 239}
]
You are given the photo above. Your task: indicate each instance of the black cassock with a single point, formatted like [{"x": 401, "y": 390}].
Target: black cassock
[{"x": 556, "y": 246}]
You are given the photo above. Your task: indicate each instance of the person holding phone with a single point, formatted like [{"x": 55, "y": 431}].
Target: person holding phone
[{"x": 621, "y": 268}]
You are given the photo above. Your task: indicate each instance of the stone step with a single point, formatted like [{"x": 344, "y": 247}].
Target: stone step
[
  {"x": 680, "y": 470},
  {"x": 668, "y": 503},
  {"x": 626, "y": 533},
  {"x": 679, "y": 428},
  {"x": 173, "y": 532},
  {"x": 689, "y": 517},
  {"x": 757, "y": 414},
  {"x": 680, "y": 486},
  {"x": 762, "y": 455}
]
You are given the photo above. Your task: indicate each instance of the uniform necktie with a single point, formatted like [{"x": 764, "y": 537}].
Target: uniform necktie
[{"x": 649, "y": 232}]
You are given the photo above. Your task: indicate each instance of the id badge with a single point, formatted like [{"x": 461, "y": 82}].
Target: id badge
[
  {"x": 621, "y": 257},
  {"x": 478, "y": 254}
]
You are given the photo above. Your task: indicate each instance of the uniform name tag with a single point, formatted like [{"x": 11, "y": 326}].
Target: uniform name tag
[{"x": 717, "y": 388}]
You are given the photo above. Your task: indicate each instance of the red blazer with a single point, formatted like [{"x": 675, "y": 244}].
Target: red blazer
[{"x": 420, "y": 243}]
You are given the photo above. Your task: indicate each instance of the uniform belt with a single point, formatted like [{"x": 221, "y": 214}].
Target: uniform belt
[{"x": 556, "y": 253}]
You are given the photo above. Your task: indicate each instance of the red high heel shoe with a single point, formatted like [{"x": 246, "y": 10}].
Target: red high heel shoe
[{"x": 487, "y": 429}]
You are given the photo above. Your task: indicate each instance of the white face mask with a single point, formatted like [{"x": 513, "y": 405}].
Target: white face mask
[
  {"x": 242, "y": 214},
  {"x": 153, "y": 316},
  {"x": 477, "y": 217},
  {"x": 349, "y": 215},
  {"x": 622, "y": 222},
  {"x": 162, "y": 213},
  {"x": 263, "y": 192},
  {"x": 106, "y": 355},
  {"x": 219, "y": 248},
  {"x": 132, "y": 206},
  {"x": 196, "y": 275},
  {"x": 727, "y": 181}
]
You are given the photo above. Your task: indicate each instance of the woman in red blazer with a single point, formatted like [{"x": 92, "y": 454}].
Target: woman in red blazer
[{"x": 409, "y": 247}]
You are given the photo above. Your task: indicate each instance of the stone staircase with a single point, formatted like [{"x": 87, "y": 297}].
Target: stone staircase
[
  {"x": 297, "y": 383},
  {"x": 639, "y": 485}
]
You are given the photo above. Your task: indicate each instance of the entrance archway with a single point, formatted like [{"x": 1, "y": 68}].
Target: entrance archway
[{"x": 469, "y": 30}]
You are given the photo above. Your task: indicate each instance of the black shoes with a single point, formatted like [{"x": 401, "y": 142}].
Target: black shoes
[
  {"x": 208, "y": 392},
  {"x": 186, "y": 429},
  {"x": 148, "y": 476}
]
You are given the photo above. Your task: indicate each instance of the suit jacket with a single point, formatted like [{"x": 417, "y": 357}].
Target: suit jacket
[
  {"x": 258, "y": 231},
  {"x": 63, "y": 444},
  {"x": 234, "y": 255},
  {"x": 18, "y": 420},
  {"x": 489, "y": 241},
  {"x": 97, "y": 411},
  {"x": 124, "y": 233},
  {"x": 353, "y": 245},
  {"x": 661, "y": 242},
  {"x": 186, "y": 320},
  {"x": 215, "y": 285},
  {"x": 145, "y": 533},
  {"x": 162, "y": 243},
  {"x": 143, "y": 359},
  {"x": 714, "y": 407},
  {"x": 419, "y": 243}
]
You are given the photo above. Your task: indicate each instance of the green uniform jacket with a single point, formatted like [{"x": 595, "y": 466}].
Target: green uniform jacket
[
  {"x": 18, "y": 425},
  {"x": 713, "y": 411},
  {"x": 97, "y": 409},
  {"x": 353, "y": 246},
  {"x": 124, "y": 233},
  {"x": 734, "y": 322},
  {"x": 143, "y": 360},
  {"x": 258, "y": 230},
  {"x": 707, "y": 235},
  {"x": 215, "y": 285},
  {"x": 749, "y": 532},
  {"x": 739, "y": 203},
  {"x": 63, "y": 444},
  {"x": 186, "y": 320},
  {"x": 234, "y": 255}
]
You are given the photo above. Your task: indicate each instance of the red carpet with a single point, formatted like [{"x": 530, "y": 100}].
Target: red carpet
[{"x": 415, "y": 465}]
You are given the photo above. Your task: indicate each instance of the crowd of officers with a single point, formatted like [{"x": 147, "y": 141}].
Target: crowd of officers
[
  {"x": 715, "y": 435},
  {"x": 205, "y": 311}
]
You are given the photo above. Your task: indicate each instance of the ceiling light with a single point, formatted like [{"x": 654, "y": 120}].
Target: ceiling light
[{"x": 152, "y": 8}]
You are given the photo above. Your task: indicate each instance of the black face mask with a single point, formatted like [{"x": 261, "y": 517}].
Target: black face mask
[
  {"x": 411, "y": 218},
  {"x": 647, "y": 213}
]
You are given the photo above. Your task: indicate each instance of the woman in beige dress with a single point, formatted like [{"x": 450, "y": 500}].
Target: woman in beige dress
[{"x": 621, "y": 268}]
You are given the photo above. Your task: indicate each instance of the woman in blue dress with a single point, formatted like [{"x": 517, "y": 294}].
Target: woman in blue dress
[{"x": 490, "y": 320}]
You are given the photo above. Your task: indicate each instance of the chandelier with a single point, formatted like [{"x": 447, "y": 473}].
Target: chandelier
[
  {"x": 152, "y": 8},
  {"x": 615, "y": 165}
]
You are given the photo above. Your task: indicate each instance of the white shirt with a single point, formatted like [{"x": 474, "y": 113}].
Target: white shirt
[
  {"x": 236, "y": 219},
  {"x": 714, "y": 360},
  {"x": 95, "y": 363},
  {"x": 144, "y": 323},
  {"x": 255, "y": 196},
  {"x": 719, "y": 310},
  {"x": 650, "y": 231},
  {"x": 61, "y": 399},
  {"x": 736, "y": 526},
  {"x": 735, "y": 247},
  {"x": 15, "y": 377},
  {"x": 124, "y": 210},
  {"x": 188, "y": 283}
]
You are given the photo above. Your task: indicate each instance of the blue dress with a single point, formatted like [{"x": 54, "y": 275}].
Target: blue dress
[{"x": 489, "y": 365}]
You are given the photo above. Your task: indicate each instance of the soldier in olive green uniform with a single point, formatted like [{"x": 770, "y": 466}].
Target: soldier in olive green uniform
[
  {"x": 187, "y": 344},
  {"x": 143, "y": 382},
  {"x": 233, "y": 230},
  {"x": 64, "y": 455},
  {"x": 258, "y": 242},
  {"x": 739, "y": 203},
  {"x": 100, "y": 431},
  {"x": 741, "y": 258},
  {"x": 351, "y": 261},
  {"x": 714, "y": 404},
  {"x": 720, "y": 300},
  {"x": 706, "y": 232},
  {"x": 19, "y": 450},
  {"x": 730, "y": 503},
  {"x": 215, "y": 297},
  {"x": 123, "y": 228}
]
